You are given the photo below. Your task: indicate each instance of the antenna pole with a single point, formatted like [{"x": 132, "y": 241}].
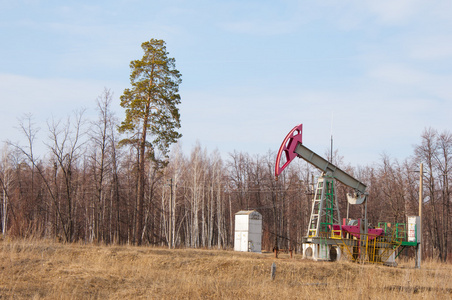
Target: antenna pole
[{"x": 331, "y": 150}]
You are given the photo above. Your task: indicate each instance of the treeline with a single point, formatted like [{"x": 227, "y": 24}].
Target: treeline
[{"x": 86, "y": 188}]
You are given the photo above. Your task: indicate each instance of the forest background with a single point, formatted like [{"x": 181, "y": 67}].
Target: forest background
[{"x": 85, "y": 189}]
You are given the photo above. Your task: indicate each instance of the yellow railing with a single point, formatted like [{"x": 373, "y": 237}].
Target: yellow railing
[
  {"x": 369, "y": 248},
  {"x": 336, "y": 234}
]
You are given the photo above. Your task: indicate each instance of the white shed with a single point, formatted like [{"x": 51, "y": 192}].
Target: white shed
[{"x": 248, "y": 231}]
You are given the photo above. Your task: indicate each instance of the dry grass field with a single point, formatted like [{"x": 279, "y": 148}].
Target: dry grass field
[{"x": 36, "y": 269}]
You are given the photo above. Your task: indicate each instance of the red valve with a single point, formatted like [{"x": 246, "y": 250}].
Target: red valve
[{"x": 288, "y": 146}]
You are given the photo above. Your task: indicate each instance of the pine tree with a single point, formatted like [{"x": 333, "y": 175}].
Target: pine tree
[{"x": 152, "y": 115}]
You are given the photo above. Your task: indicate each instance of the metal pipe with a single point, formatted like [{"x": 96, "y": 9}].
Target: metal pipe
[{"x": 421, "y": 196}]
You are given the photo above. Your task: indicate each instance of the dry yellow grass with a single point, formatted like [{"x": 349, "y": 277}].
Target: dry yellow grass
[{"x": 36, "y": 269}]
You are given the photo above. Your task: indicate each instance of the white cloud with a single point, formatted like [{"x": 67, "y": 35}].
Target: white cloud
[
  {"x": 47, "y": 94},
  {"x": 399, "y": 74},
  {"x": 46, "y": 99},
  {"x": 432, "y": 47},
  {"x": 395, "y": 12},
  {"x": 259, "y": 27}
]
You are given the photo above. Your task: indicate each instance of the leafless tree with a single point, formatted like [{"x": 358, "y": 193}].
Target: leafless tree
[{"x": 65, "y": 147}]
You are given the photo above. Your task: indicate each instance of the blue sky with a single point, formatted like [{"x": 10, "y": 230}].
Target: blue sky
[{"x": 377, "y": 72}]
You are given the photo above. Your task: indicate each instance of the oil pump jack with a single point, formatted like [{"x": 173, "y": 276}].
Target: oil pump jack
[{"x": 327, "y": 237}]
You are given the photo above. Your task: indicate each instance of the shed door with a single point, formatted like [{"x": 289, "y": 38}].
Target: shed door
[{"x": 244, "y": 242}]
